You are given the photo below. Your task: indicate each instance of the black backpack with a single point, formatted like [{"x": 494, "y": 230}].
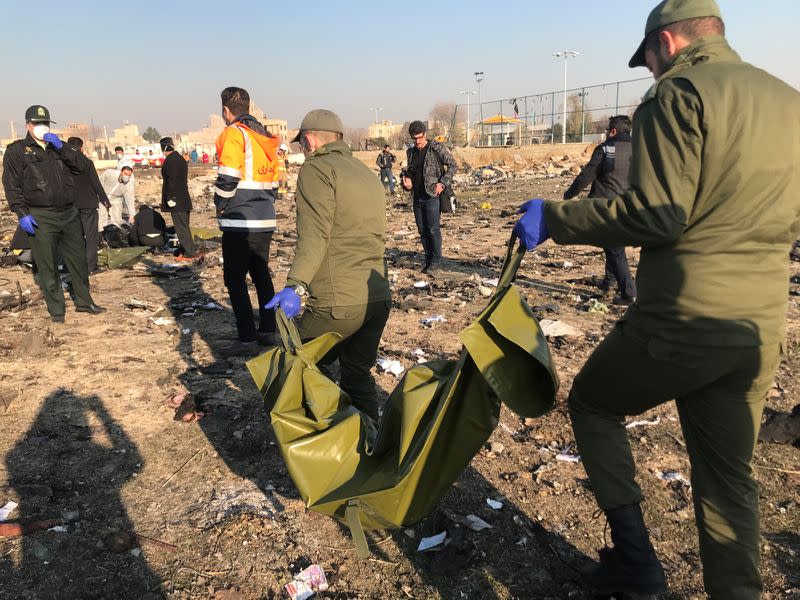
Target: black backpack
[{"x": 117, "y": 237}]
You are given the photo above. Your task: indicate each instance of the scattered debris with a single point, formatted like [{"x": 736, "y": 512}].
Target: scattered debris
[
  {"x": 136, "y": 303},
  {"x": 642, "y": 423},
  {"x": 421, "y": 284},
  {"x": 554, "y": 329},
  {"x": 6, "y": 511},
  {"x": 475, "y": 523},
  {"x": 162, "y": 321},
  {"x": 494, "y": 504},
  {"x": 673, "y": 476},
  {"x": 427, "y": 543},
  {"x": 595, "y": 306},
  {"x": 782, "y": 428},
  {"x": 244, "y": 497},
  {"x": 307, "y": 583},
  {"x": 391, "y": 366},
  {"x": 566, "y": 456},
  {"x": 433, "y": 319}
]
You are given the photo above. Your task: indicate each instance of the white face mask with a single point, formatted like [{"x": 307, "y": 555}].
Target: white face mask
[
  {"x": 125, "y": 178},
  {"x": 120, "y": 155},
  {"x": 39, "y": 131}
]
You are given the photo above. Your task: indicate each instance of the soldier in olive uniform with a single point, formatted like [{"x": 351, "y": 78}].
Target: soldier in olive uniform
[
  {"x": 713, "y": 204},
  {"x": 40, "y": 188},
  {"x": 339, "y": 260}
]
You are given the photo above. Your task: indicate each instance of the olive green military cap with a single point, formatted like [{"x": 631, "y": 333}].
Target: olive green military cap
[
  {"x": 320, "y": 120},
  {"x": 672, "y": 11}
]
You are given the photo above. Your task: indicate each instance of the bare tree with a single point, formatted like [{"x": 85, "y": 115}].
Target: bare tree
[
  {"x": 356, "y": 137},
  {"x": 441, "y": 118}
]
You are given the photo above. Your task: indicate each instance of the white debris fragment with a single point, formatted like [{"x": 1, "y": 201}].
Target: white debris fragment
[
  {"x": 643, "y": 422},
  {"x": 565, "y": 456},
  {"x": 673, "y": 476},
  {"x": 420, "y": 284},
  {"x": 494, "y": 504},
  {"x": 391, "y": 366},
  {"x": 491, "y": 282},
  {"x": 475, "y": 523},
  {"x": 428, "y": 543},
  {"x": 554, "y": 329},
  {"x": 162, "y": 321},
  {"x": 6, "y": 511},
  {"x": 433, "y": 319}
]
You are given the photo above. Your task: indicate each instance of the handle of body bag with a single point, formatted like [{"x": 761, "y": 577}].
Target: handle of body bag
[
  {"x": 290, "y": 336},
  {"x": 510, "y": 264}
]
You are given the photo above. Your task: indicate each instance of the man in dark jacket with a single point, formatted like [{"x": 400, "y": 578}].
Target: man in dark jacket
[
  {"x": 40, "y": 188},
  {"x": 385, "y": 162},
  {"x": 89, "y": 193},
  {"x": 430, "y": 170},
  {"x": 607, "y": 171},
  {"x": 175, "y": 197},
  {"x": 149, "y": 228}
]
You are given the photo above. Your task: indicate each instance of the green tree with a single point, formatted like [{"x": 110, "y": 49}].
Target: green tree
[{"x": 151, "y": 135}]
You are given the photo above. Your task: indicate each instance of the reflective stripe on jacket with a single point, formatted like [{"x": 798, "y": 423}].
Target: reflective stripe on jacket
[{"x": 243, "y": 192}]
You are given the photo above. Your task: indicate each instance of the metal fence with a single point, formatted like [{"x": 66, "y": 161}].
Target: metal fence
[{"x": 539, "y": 118}]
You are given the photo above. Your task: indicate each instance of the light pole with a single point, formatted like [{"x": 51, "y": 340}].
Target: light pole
[
  {"x": 468, "y": 94},
  {"x": 479, "y": 78},
  {"x": 376, "y": 109},
  {"x": 566, "y": 54},
  {"x": 583, "y": 95}
]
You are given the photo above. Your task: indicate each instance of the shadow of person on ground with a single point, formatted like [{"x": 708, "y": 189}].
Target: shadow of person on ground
[{"x": 68, "y": 471}]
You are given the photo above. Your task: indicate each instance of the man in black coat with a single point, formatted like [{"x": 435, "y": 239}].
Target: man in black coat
[
  {"x": 175, "y": 196},
  {"x": 607, "y": 171},
  {"x": 89, "y": 194},
  {"x": 38, "y": 178}
]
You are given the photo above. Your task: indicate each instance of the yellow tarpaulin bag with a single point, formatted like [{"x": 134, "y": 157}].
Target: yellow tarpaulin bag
[{"x": 392, "y": 473}]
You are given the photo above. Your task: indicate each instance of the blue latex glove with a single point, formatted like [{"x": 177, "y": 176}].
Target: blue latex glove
[
  {"x": 288, "y": 300},
  {"x": 28, "y": 224},
  {"x": 52, "y": 138},
  {"x": 531, "y": 228}
]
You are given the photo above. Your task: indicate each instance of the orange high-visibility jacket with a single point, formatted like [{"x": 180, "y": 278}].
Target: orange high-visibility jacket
[{"x": 244, "y": 191}]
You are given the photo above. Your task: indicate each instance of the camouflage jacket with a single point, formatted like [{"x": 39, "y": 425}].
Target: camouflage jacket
[{"x": 437, "y": 158}]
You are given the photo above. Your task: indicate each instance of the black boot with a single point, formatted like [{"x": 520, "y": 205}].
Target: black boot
[{"x": 631, "y": 565}]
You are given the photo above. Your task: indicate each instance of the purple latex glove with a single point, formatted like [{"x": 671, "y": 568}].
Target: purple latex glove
[
  {"x": 52, "y": 138},
  {"x": 28, "y": 224},
  {"x": 531, "y": 228},
  {"x": 288, "y": 300}
]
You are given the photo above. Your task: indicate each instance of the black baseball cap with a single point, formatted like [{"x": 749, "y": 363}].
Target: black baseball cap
[{"x": 38, "y": 114}]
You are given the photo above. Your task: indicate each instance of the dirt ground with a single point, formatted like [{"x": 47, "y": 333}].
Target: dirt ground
[{"x": 133, "y": 502}]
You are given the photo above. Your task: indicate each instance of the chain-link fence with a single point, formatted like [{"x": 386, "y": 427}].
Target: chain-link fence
[{"x": 540, "y": 118}]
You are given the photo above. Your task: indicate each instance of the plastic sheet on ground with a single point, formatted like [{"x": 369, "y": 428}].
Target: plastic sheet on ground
[{"x": 117, "y": 258}]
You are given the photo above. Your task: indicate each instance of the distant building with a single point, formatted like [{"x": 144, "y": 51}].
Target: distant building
[
  {"x": 127, "y": 135},
  {"x": 384, "y": 129},
  {"x": 208, "y": 134}
]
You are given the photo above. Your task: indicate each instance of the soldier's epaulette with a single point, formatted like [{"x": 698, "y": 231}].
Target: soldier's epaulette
[{"x": 650, "y": 94}]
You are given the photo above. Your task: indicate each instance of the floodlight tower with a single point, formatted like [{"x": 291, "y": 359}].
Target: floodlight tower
[{"x": 566, "y": 54}]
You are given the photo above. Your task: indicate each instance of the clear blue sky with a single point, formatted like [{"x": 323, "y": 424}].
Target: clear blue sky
[{"x": 164, "y": 63}]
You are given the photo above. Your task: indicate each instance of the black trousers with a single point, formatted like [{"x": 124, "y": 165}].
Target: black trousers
[
  {"x": 180, "y": 219},
  {"x": 361, "y": 327},
  {"x": 246, "y": 252},
  {"x": 617, "y": 269},
  {"x": 59, "y": 234},
  {"x": 426, "y": 214},
  {"x": 89, "y": 218}
]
